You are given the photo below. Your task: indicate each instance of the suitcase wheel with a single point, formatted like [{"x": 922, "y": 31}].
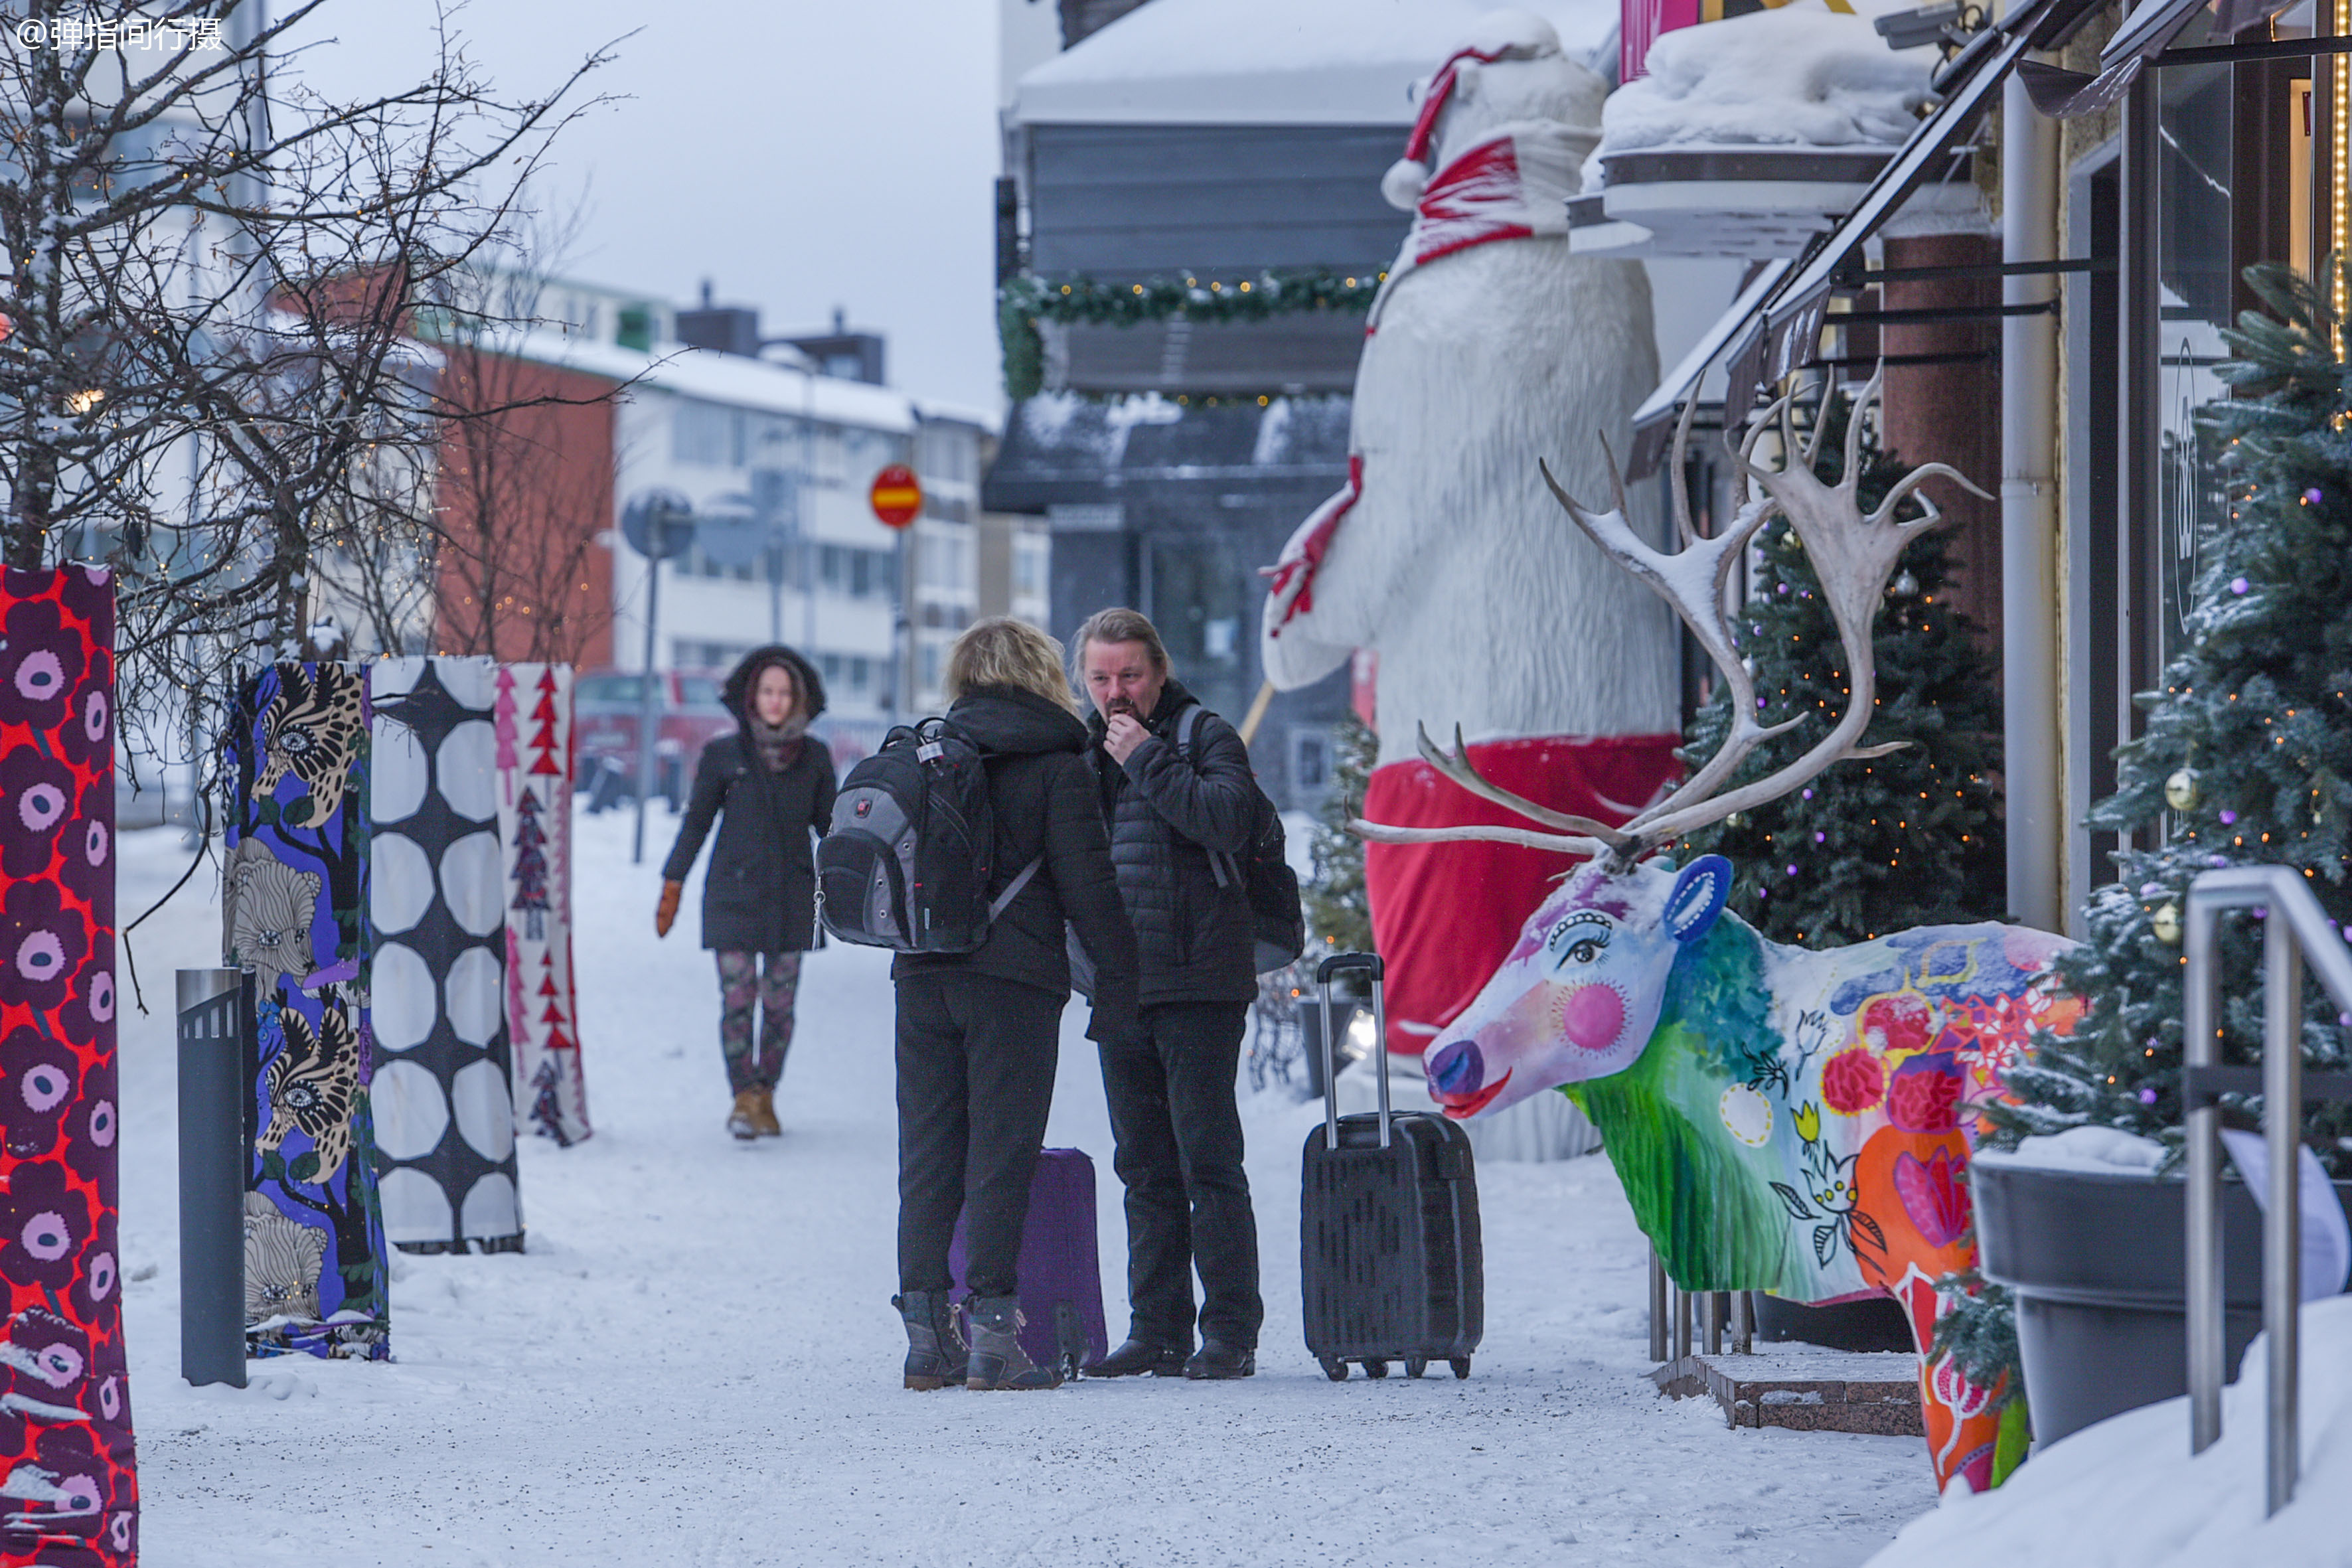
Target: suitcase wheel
[
  {"x": 1461, "y": 1365},
  {"x": 1415, "y": 1366},
  {"x": 1376, "y": 1369},
  {"x": 1336, "y": 1371}
]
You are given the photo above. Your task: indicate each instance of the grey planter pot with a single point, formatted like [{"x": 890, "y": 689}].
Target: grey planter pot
[{"x": 2096, "y": 1263}]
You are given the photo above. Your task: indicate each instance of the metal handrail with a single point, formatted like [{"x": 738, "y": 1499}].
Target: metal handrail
[{"x": 2296, "y": 927}]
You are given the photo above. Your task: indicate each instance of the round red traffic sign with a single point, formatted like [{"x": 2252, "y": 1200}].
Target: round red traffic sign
[{"x": 896, "y": 496}]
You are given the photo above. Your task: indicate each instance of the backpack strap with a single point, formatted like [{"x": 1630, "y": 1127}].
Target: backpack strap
[
  {"x": 1013, "y": 890},
  {"x": 1222, "y": 865}
]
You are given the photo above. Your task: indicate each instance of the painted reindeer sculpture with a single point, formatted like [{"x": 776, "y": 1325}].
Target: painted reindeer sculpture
[{"x": 1781, "y": 1119}]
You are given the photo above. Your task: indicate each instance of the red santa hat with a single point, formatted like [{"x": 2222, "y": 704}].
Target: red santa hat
[{"x": 1504, "y": 34}]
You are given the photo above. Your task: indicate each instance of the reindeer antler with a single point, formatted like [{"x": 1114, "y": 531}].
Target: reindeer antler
[
  {"x": 1852, "y": 553},
  {"x": 1852, "y": 556}
]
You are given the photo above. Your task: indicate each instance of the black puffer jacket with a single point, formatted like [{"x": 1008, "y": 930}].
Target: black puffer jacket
[
  {"x": 759, "y": 895},
  {"x": 1045, "y": 801},
  {"x": 1193, "y": 937}
]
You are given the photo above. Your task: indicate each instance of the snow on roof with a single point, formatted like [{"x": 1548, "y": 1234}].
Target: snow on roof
[
  {"x": 1800, "y": 76},
  {"x": 1274, "y": 62},
  {"x": 729, "y": 379}
]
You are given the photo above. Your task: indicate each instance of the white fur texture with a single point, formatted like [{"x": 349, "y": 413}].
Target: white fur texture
[{"x": 1486, "y": 606}]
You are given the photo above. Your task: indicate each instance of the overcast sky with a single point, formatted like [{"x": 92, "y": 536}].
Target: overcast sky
[{"x": 803, "y": 154}]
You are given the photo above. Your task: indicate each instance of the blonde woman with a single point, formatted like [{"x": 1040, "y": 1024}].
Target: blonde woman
[{"x": 978, "y": 1032}]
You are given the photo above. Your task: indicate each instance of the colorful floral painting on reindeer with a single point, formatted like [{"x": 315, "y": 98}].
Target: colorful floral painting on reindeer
[{"x": 294, "y": 911}]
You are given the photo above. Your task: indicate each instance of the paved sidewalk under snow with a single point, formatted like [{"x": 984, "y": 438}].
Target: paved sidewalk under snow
[{"x": 695, "y": 1363}]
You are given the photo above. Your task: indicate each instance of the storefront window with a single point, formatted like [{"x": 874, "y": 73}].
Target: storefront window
[{"x": 2196, "y": 275}]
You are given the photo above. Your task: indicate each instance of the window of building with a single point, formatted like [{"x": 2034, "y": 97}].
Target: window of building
[
  {"x": 1029, "y": 566},
  {"x": 1310, "y": 760},
  {"x": 707, "y": 433},
  {"x": 861, "y": 673},
  {"x": 930, "y": 667}
]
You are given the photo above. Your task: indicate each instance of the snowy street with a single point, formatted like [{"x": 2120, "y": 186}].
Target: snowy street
[{"x": 696, "y": 1361}]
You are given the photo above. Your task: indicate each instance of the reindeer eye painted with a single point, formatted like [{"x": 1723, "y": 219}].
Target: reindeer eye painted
[{"x": 1580, "y": 939}]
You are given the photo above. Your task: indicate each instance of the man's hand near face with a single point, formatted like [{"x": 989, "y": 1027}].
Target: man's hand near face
[{"x": 1121, "y": 735}]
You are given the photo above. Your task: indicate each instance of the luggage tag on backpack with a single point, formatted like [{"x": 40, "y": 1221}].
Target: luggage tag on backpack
[{"x": 929, "y": 752}]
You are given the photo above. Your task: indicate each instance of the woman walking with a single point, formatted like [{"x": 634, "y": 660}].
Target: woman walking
[
  {"x": 769, "y": 785},
  {"x": 978, "y": 1032}
]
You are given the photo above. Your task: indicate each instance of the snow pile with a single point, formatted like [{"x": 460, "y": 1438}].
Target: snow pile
[
  {"x": 2126, "y": 1493},
  {"x": 1800, "y": 76},
  {"x": 1265, "y": 62},
  {"x": 2102, "y": 1150}
]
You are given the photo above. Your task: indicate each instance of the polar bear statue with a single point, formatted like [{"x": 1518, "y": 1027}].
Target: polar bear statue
[{"x": 1490, "y": 347}]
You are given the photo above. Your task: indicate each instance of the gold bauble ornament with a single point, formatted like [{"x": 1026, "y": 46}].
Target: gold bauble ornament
[
  {"x": 2167, "y": 921},
  {"x": 1735, "y": 819},
  {"x": 2180, "y": 790}
]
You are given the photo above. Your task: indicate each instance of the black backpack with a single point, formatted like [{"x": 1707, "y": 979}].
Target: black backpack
[
  {"x": 1263, "y": 869},
  {"x": 909, "y": 858}
]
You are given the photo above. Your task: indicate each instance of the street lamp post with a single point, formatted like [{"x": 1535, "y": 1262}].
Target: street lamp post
[{"x": 658, "y": 525}]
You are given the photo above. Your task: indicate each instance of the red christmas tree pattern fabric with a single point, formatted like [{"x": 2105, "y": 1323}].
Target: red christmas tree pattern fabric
[{"x": 534, "y": 724}]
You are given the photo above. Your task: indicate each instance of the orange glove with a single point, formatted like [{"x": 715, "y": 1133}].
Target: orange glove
[{"x": 665, "y": 912}]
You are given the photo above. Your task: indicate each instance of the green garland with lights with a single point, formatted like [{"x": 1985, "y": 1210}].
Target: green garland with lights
[{"x": 1023, "y": 301}]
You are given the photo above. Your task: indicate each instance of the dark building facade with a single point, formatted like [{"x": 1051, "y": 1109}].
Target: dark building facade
[
  {"x": 1172, "y": 459},
  {"x": 1172, "y": 508}
]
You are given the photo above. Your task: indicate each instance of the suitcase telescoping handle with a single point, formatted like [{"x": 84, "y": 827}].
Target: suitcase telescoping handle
[{"x": 1340, "y": 964}]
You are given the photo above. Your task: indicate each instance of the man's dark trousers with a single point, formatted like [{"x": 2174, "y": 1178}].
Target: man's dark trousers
[{"x": 1171, "y": 1087}]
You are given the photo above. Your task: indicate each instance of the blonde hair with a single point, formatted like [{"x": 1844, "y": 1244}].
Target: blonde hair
[
  {"x": 1115, "y": 626},
  {"x": 1002, "y": 651}
]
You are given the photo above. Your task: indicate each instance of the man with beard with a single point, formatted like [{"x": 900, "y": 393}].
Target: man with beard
[{"x": 1183, "y": 805}]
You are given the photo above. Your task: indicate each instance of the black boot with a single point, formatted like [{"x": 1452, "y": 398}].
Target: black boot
[
  {"x": 936, "y": 1356},
  {"x": 997, "y": 1359},
  {"x": 1219, "y": 1360},
  {"x": 1137, "y": 1357}
]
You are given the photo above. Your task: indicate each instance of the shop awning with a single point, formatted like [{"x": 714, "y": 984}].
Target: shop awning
[
  {"x": 2145, "y": 33},
  {"x": 1781, "y": 333}
]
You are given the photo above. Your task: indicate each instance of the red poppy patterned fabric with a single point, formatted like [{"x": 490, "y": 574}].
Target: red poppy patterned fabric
[{"x": 68, "y": 1491}]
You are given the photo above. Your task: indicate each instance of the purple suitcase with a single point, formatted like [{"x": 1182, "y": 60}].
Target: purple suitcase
[{"x": 1061, "y": 1269}]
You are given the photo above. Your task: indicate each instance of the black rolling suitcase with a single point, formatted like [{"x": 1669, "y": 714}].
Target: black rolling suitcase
[{"x": 1390, "y": 1263}]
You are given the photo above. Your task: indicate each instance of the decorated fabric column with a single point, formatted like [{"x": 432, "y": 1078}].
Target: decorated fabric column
[
  {"x": 66, "y": 1460},
  {"x": 534, "y": 738},
  {"x": 294, "y": 911},
  {"x": 444, "y": 1108}
]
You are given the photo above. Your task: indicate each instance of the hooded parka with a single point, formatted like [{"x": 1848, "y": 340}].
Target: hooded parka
[
  {"x": 1044, "y": 804},
  {"x": 759, "y": 894}
]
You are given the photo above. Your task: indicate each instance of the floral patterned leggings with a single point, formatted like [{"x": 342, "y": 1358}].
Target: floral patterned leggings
[{"x": 770, "y": 980}]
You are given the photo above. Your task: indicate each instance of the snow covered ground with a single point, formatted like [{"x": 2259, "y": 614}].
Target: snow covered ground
[{"x": 695, "y": 1363}]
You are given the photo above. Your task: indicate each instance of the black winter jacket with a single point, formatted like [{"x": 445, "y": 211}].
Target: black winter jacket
[
  {"x": 759, "y": 895},
  {"x": 1044, "y": 797},
  {"x": 1194, "y": 938}
]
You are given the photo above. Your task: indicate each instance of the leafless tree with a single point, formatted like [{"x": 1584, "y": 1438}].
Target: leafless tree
[
  {"x": 213, "y": 377},
  {"x": 519, "y": 514}
]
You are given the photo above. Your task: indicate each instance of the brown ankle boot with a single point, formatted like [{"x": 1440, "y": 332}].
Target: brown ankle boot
[
  {"x": 763, "y": 1113},
  {"x": 744, "y": 1120}
]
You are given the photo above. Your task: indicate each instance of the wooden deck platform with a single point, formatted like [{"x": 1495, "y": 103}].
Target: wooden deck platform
[{"x": 1804, "y": 1388}]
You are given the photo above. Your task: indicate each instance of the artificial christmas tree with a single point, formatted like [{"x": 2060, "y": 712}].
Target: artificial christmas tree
[
  {"x": 2246, "y": 758},
  {"x": 1339, "y": 913},
  {"x": 1908, "y": 839}
]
